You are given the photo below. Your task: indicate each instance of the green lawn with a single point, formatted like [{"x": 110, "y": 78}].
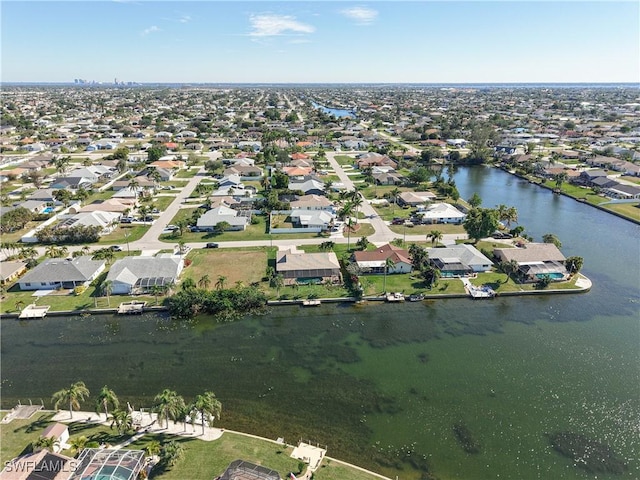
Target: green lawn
[
  {"x": 345, "y": 159},
  {"x": 253, "y": 232},
  {"x": 426, "y": 229},
  {"x": 576, "y": 191},
  {"x": 119, "y": 235},
  {"x": 162, "y": 202},
  {"x": 247, "y": 265},
  {"x": 18, "y": 434},
  {"x": 630, "y": 210},
  {"x": 192, "y": 172}
]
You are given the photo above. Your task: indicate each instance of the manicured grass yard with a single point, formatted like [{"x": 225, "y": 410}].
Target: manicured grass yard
[
  {"x": 192, "y": 172},
  {"x": 426, "y": 229},
  {"x": 162, "y": 202},
  {"x": 345, "y": 159},
  {"x": 630, "y": 210},
  {"x": 246, "y": 265},
  {"x": 135, "y": 232},
  {"x": 253, "y": 232},
  {"x": 18, "y": 434}
]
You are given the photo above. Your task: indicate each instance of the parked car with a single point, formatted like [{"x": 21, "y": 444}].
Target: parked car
[
  {"x": 211, "y": 245},
  {"x": 126, "y": 220},
  {"x": 397, "y": 221},
  {"x": 116, "y": 248},
  {"x": 155, "y": 210}
]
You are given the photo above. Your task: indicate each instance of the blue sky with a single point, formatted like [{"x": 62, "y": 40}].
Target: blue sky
[{"x": 321, "y": 41}]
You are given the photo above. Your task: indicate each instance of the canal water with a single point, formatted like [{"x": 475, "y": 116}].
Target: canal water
[{"x": 384, "y": 385}]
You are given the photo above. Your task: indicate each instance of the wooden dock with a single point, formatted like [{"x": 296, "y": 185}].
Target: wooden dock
[
  {"x": 128, "y": 308},
  {"x": 34, "y": 311}
]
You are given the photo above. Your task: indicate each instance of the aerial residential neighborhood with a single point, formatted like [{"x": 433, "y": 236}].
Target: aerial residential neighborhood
[{"x": 262, "y": 168}]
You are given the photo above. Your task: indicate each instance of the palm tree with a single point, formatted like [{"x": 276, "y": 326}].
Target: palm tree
[
  {"x": 157, "y": 290},
  {"x": 78, "y": 444},
  {"x": 394, "y": 195},
  {"x": 167, "y": 405},
  {"x": 43, "y": 443},
  {"x": 134, "y": 186},
  {"x": 362, "y": 243},
  {"x": 107, "y": 288},
  {"x": 106, "y": 399},
  {"x": 349, "y": 225},
  {"x": 188, "y": 284},
  {"x": 221, "y": 282},
  {"x": 153, "y": 448},
  {"x": 388, "y": 263},
  {"x": 209, "y": 407},
  {"x": 19, "y": 305},
  {"x": 122, "y": 421},
  {"x": 75, "y": 394},
  {"x": 205, "y": 282},
  {"x": 171, "y": 452},
  {"x": 51, "y": 251},
  {"x": 276, "y": 281},
  {"x": 356, "y": 203},
  {"x": 435, "y": 236}
]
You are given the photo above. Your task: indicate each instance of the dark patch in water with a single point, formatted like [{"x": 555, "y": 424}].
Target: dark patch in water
[{"x": 586, "y": 453}]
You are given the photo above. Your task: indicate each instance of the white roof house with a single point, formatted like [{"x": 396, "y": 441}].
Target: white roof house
[
  {"x": 465, "y": 255},
  {"x": 107, "y": 221},
  {"x": 141, "y": 274},
  {"x": 441, "y": 213}
]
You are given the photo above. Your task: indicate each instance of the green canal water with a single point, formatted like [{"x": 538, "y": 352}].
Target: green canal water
[{"x": 383, "y": 385}]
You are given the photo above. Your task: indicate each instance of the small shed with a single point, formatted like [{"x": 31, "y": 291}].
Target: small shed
[{"x": 60, "y": 434}]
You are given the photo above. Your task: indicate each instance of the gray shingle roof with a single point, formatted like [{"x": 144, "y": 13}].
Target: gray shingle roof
[{"x": 79, "y": 269}]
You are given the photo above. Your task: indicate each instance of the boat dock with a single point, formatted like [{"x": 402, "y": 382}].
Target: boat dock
[
  {"x": 131, "y": 307},
  {"x": 395, "y": 297},
  {"x": 478, "y": 292},
  {"x": 34, "y": 311},
  {"x": 311, "y": 303}
]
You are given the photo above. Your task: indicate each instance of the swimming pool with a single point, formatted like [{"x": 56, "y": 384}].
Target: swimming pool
[
  {"x": 552, "y": 276},
  {"x": 47, "y": 210}
]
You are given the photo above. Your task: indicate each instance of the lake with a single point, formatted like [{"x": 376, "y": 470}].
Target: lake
[{"x": 382, "y": 385}]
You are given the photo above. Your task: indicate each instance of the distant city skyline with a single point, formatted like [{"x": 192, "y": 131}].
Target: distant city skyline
[{"x": 321, "y": 42}]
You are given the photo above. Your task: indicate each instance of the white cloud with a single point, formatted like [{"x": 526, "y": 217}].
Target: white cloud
[
  {"x": 185, "y": 19},
  {"x": 149, "y": 30},
  {"x": 269, "y": 25},
  {"x": 361, "y": 15}
]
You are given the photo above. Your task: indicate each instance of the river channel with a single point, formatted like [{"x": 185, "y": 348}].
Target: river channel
[{"x": 383, "y": 385}]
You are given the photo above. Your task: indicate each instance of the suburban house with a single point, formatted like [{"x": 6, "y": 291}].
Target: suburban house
[
  {"x": 35, "y": 206},
  {"x": 312, "y": 202},
  {"x": 106, "y": 220},
  {"x": 535, "y": 260},
  {"x": 374, "y": 261},
  {"x": 297, "y": 171},
  {"x": 308, "y": 185},
  {"x": 623, "y": 191},
  {"x": 413, "y": 199},
  {"x": 372, "y": 159},
  {"x": 134, "y": 275},
  {"x": 10, "y": 270},
  {"x": 441, "y": 213},
  {"x": 56, "y": 273},
  {"x": 246, "y": 172},
  {"x": 118, "y": 205},
  {"x": 312, "y": 220},
  {"x": 301, "y": 267},
  {"x": 459, "y": 260},
  {"x": 73, "y": 183},
  {"x": 237, "y": 220},
  {"x": 388, "y": 178}
]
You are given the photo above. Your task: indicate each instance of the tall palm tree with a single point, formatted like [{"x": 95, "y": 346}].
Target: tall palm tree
[
  {"x": 220, "y": 284},
  {"x": 51, "y": 251},
  {"x": 78, "y": 444},
  {"x": 158, "y": 290},
  {"x": 134, "y": 186},
  {"x": 388, "y": 263},
  {"x": 205, "y": 281},
  {"x": 435, "y": 236},
  {"x": 106, "y": 399},
  {"x": 209, "y": 407},
  {"x": 43, "y": 443},
  {"x": 122, "y": 421},
  {"x": 75, "y": 394},
  {"x": 394, "y": 195},
  {"x": 167, "y": 405},
  {"x": 107, "y": 288},
  {"x": 356, "y": 203}
]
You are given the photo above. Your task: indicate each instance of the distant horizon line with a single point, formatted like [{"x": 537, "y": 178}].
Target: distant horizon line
[{"x": 135, "y": 83}]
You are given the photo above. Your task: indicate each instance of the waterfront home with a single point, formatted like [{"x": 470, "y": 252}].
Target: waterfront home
[
  {"x": 441, "y": 213},
  {"x": 459, "y": 260},
  {"x": 372, "y": 159},
  {"x": 10, "y": 270},
  {"x": 388, "y": 178},
  {"x": 535, "y": 260},
  {"x": 135, "y": 275},
  {"x": 301, "y": 267},
  {"x": 239, "y": 469},
  {"x": 32, "y": 465},
  {"x": 374, "y": 261},
  {"x": 107, "y": 463},
  {"x": 622, "y": 191},
  {"x": 413, "y": 199},
  {"x": 236, "y": 220},
  {"x": 56, "y": 273}
]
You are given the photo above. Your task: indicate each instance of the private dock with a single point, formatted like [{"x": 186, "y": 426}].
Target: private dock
[
  {"x": 34, "y": 311},
  {"x": 395, "y": 297},
  {"x": 131, "y": 307},
  {"x": 311, "y": 303}
]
